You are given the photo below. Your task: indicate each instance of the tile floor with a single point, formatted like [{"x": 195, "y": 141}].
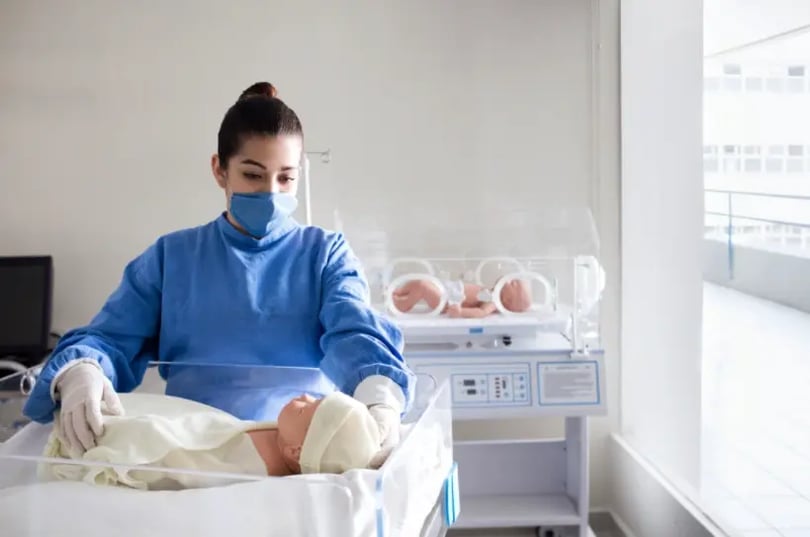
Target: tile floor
[{"x": 756, "y": 422}]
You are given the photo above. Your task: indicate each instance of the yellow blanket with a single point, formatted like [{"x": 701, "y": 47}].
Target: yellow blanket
[{"x": 166, "y": 432}]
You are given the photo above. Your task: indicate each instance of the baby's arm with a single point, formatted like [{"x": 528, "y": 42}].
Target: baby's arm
[{"x": 478, "y": 312}]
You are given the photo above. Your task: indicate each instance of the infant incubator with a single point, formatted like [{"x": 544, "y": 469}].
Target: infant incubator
[
  {"x": 505, "y": 308},
  {"x": 522, "y": 274}
]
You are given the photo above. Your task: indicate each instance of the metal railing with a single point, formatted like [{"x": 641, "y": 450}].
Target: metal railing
[{"x": 768, "y": 221}]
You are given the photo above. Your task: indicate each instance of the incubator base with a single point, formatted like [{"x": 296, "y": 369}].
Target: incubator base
[
  {"x": 527, "y": 483},
  {"x": 522, "y": 483}
]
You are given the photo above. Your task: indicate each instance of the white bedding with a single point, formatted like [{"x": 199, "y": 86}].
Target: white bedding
[{"x": 314, "y": 505}]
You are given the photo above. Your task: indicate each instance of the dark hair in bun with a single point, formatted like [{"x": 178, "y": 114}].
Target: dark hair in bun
[
  {"x": 258, "y": 112},
  {"x": 259, "y": 89}
]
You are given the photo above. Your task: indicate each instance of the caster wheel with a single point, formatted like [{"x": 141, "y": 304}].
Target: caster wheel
[{"x": 546, "y": 532}]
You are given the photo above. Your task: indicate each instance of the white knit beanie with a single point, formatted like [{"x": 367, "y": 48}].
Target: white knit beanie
[{"x": 342, "y": 436}]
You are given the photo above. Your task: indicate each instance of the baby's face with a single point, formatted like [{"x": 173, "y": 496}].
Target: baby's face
[
  {"x": 516, "y": 296},
  {"x": 295, "y": 418}
]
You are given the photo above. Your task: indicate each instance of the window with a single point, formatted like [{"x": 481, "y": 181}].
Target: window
[
  {"x": 731, "y": 158},
  {"x": 732, "y": 69},
  {"x": 732, "y": 77},
  {"x": 732, "y": 84},
  {"x": 711, "y": 163},
  {"x": 752, "y": 163},
  {"x": 795, "y": 160},
  {"x": 771, "y": 124},
  {"x": 776, "y": 79},
  {"x": 754, "y": 84},
  {"x": 774, "y": 84},
  {"x": 775, "y": 161},
  {"x": 795, "y": 79}
]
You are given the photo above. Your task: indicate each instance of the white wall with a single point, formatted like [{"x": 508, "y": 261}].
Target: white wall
[
  {"x": 662, "y": 230},
  {"x": 109, "y": 112},
  {"x": 645, "y": 503}
]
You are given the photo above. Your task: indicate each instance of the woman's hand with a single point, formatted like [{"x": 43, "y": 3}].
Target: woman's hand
[
  {"x": 388, "y": 421},
  {"x": 81, "y": 389}
]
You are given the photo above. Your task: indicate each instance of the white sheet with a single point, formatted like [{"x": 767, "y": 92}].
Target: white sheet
[
  {"x": 163, "y": 431},
  {"x": 315, "y": 505}
]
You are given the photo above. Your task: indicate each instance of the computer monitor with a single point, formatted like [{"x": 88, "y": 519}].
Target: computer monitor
[{"x": 26, "y": 291}]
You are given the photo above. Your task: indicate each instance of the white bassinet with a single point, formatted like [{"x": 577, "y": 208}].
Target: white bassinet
[{"x": 411, "y": 495}]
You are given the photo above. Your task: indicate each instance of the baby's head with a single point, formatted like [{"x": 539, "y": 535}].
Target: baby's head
[
  {"x": 516, "y": 295},
  {"x": 329, "y": 435}
]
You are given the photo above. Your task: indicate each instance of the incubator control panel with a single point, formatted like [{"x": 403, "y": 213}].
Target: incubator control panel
[
  {"x": 492, "y": 388},
  {"x": 520, "y": 385},
  {"x": 507, "y": 384}
]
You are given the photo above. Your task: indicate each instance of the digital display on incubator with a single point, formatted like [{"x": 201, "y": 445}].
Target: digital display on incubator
[
  {"x": 469, "y": 382},
  {"x": 471, "y": 392}
]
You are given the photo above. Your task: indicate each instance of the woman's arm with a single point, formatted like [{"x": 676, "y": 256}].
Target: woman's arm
[
  {"x": 362, "y": 348},
  {"x": 119, "y": 339}
]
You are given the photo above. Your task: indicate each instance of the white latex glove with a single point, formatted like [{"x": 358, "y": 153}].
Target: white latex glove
[
  {"x": 81, "y": 389},
  {"x": 388, "y": 421},
  {"x": 385, "y": 401}
]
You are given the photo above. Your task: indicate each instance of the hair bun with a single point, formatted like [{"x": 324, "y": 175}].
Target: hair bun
[{"x": 259, "y": 89}]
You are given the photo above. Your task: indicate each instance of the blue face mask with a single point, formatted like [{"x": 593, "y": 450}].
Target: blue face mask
[{"x": 260, "y": 212}]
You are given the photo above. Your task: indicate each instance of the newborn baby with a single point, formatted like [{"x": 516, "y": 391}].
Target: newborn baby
[
  {"x": 464, "y": 299},
  {"x": 329, "y": 435}
]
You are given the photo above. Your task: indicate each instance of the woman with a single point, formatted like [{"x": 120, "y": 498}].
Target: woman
[{"x": 251, "y": 287}]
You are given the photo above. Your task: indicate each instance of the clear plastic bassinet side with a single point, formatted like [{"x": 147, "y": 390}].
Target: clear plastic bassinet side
[
  {"x": 410, "y": 485},
  {"x": 433, "y": 273},
  {"x": 227, "y": 505},
  {"x": 13, "y": 387},
  {"x": 46, "y": 495}
]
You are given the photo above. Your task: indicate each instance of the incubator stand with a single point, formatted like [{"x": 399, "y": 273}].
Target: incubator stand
[
  {"x": 542, "y": 357},
  {"x": 412, "y": 494}
]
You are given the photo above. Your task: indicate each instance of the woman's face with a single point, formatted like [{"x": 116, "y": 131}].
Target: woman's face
[{"x": 262, "y": 164}]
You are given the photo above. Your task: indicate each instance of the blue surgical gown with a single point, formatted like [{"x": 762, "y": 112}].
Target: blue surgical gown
[{"x": 212, "y": 295}]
